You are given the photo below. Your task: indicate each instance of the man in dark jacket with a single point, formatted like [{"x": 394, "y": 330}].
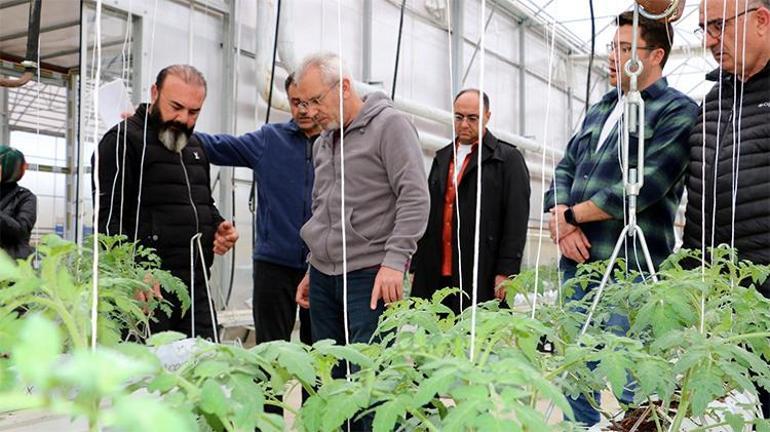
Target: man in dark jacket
[
  {"x": 18, "y": 206},
  {"x": 735, "y": 209},
  {"x": 281, "y": 155},
  {"x": 504, "y": 211},
  {"x": 154, "y": 188}
]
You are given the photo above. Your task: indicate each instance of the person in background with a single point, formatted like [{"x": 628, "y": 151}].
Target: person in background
[
  {"x": 504, "y": 211},
  {"x": 18, "y": 205}
]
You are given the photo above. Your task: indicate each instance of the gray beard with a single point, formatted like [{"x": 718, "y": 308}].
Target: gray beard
[{"x": 174, "y": 142}]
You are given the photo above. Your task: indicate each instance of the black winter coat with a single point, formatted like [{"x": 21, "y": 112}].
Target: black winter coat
[
  {"x": 167, "y": 217},
  {"x": 743, "y": 157},
  {"x": 504, "y": 217},
  {"x": 18, "y": 213}
]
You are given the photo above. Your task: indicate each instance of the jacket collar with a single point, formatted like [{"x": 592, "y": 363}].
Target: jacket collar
[
  {"x": 653, "y": 91},
  {"x": 728, "y": 76}
]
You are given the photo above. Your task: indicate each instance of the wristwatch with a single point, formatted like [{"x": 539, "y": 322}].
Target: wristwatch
[{"x": 569, "y": 216}]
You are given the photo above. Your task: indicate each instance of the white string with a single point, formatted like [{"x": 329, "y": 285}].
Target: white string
[
  {"x": 345, "y": 317},
  {"x": 119, "y": 167},
  {"x": 546, "y": 127},
  {"x": 701, "y": 328},
  {"x": 146, "y": 118},
  {"x": 208, "y": 287},
  {"x": 192, "y": 283},
  {"x": 95, "y": 95},
  {"x": 719, "y": 127},
  {"x": 454, "y": 156},
  {"x": 477, "y": 233},
  {"x": 737, "y": 144}
]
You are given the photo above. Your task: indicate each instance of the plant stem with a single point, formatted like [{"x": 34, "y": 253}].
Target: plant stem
[
  {"x": 748, "y": 336},
  {"x": 684, "y": 401}
]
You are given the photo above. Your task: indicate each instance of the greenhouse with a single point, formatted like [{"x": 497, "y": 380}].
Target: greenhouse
[{"x": 384, "y": 215}]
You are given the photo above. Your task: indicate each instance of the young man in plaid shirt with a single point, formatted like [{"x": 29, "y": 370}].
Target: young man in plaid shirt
[{"x": 586, "y": 197}]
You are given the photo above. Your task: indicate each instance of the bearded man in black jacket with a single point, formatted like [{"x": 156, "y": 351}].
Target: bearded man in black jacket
[{"x": 155, "y": 188}]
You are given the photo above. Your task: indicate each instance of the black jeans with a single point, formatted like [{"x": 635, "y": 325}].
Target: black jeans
[{"x": 275, "y": 309}]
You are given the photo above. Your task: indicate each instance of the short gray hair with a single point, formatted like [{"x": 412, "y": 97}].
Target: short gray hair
[
  {"x": 327, "y": 63},
  {"x": 760, "y": 3}
]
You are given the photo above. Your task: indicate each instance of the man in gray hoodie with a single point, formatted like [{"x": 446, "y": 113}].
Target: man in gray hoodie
[{"x": 386, "y": 203}]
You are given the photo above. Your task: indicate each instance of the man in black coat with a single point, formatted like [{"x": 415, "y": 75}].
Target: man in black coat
[
  {"x": 155, "y": 188},
  {"x": 728, "y": 191},
  {"x": 504, "y": 211}
]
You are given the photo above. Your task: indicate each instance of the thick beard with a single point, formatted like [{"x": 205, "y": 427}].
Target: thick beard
[
  {"x": 172, "y": 134},
  {"x": 173, "y": 140}
]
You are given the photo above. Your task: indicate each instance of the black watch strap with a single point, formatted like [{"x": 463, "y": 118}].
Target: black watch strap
[{"x": 569, "y": 216}]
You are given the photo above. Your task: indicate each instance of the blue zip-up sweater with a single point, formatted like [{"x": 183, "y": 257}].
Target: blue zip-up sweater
[{"x": 282, "y": 159}]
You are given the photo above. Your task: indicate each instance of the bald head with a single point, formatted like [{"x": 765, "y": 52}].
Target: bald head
[{"x": 737, "y": 34}]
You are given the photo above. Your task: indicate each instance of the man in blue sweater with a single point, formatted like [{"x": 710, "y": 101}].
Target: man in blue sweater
[{"x": 281, "y": 155}]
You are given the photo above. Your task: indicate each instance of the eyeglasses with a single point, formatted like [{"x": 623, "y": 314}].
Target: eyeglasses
[
  {"x": 625, "y": 48},
  {"x": 471, "y": 118},
  {"x": 313, "y": 102},
  {"x": 715, "y": 27}
]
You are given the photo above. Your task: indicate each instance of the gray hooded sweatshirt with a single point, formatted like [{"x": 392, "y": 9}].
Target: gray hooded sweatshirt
[{"x": 386, "y": 192}]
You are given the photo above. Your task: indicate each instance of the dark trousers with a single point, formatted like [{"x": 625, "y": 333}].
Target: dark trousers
[
  {"x": 275, "y": 309},
  {"x": 326, "y": 315}
]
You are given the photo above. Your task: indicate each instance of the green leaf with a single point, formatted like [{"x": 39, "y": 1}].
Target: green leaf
[
  {"x": 735, "y": 421},
  {"x": 706, "y": 387},
  {"x": 130, "y": 414},
  {"x": 439, "y": 384},
  {"x": 613, "y": 367},
  {"x": 386, "y": 415},
  {"x": 211, "y": 369},
  {"x": 162, "y": 383},
  {"x": 37, "y": 349},
  {"x": 165, "y": 338},
  {"x": 213, "y": 400}
]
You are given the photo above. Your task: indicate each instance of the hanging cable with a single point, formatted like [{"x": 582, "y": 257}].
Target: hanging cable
[
  {"x": 231, "y": 280},
  {"x": 542, "y": 176},
  {"x": 454, "y": 156},
  {"x": 252, "y": 191},
  {"x": 591, "y": 56},
  {"x": 477, "y": 231},
  {"x": 398, "y": 50},
  {"x": 95, "y": 95}
]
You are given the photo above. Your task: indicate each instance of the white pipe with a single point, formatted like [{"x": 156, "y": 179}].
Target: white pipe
[{"x": 409, "y": 106}]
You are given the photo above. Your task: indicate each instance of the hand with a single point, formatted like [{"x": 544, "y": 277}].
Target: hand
[
  {"x": 558, "y": 225},
  {"x": 499, "y": 288},
  {"x": 388, "y": 285},
  {"x": 303, "y": 292},
  {"x": 225, "y": 238},
  {"x": 143, "y": 297},
  {"x": 575, "y": 246}
]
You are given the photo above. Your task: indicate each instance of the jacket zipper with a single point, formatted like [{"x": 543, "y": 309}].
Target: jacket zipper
[{"x": 189, "y": 194}]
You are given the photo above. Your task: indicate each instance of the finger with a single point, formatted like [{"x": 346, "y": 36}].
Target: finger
[
  {"x": 585, "y": 239},
  {"x": 581, "y": 247},
  {"x": 375, "y": 294}
]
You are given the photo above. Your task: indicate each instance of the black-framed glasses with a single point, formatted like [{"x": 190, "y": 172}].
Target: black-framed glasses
[
  {"x": 715, "y": 27},
  {"x": 313, "y": 102},
  {"x": 471, "y": 118},
  {"x": 624, "y": 48}
]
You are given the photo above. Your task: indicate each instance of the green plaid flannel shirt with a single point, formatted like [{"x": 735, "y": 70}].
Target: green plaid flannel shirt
[{"x": 586, "y": 174}]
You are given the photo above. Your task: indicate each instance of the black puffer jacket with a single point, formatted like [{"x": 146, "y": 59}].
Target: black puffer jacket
[
  {"x": 18, "y": 213},
  {"x": 740, "y": 157},
  {"x": 167, "y": 219}
]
